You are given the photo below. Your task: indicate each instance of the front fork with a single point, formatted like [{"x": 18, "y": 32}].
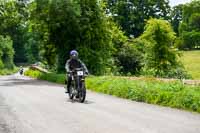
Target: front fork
[
  {"x": 78, "y": 83},
  {"x": 75, "y": 82}
]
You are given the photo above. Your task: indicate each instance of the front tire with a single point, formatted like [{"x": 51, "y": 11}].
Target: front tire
[
  {"x": 82, "y": 94},
  {"x": 71, "y": 95}
]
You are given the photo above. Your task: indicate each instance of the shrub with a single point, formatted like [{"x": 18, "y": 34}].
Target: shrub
[
  {"x": 130, "y": 57},
  {"x": 180, "y": 44},
  {"x": 52, "y": 77},
  {"x": 191, "y": 39}
]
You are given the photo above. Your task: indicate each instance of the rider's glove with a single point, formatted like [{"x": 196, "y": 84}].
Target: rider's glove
[
  {"x": 69, "y": 73},
  {"x": 86, "y": 73}
]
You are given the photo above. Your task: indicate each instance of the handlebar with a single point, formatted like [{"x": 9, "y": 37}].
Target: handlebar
[{"x": 78, "y": 69}]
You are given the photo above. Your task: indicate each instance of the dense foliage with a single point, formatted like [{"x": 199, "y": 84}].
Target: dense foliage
[
  {"x": 190, "y": 26},
  {"x": 131, "y": 15},
  {"x": 160, "y": 55},
  {"x": 13, "y": 15},
  {"x": 112, "y": 36},
  {"x": 6, "y": 53},
  {"x": 80, "y": 25},
  {"x": 130, "y": 58},
  {"x": 176, "y": 17}
]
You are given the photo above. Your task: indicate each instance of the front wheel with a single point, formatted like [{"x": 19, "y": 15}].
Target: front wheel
[
  {"x": 82, "y": 94},
  {"x": 71, "y": 95}
]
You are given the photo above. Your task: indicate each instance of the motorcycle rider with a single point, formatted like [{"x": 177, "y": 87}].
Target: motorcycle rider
[
  {"x": 71, "y": 64},
  {"x": 21, "y": 70}
]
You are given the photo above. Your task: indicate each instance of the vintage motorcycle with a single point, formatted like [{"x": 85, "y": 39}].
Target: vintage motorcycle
[
  {"x": 77, "y": 88},
  {"x": 21, "y": 71}
]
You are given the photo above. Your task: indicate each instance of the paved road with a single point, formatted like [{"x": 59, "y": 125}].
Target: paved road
[{"x": 32, "y": 106}]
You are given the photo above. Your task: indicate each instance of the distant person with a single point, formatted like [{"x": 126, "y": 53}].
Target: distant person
[
  {"x": 71, "y": 64},
  {"x": 21, "y": 70}
]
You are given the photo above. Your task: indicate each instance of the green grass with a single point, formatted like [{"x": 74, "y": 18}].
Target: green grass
[
  {"x": 172, "y": 94},
  {"x": 191, "y": 61},
  {"x": 52, "y": 77},
  {"x": 8, "y": 71}
]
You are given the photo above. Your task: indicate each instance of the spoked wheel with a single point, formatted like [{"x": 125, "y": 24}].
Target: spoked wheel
[
  {"x": 71, "y": 95},
  {"x": 82, "y": 94}
]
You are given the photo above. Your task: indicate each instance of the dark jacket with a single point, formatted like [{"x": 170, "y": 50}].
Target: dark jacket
[{"x": 75, "y": 63}]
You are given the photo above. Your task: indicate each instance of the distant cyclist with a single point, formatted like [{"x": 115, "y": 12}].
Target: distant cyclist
[
  {"x": 71, "y": 64},
  {"x": 21, "y": 70}
]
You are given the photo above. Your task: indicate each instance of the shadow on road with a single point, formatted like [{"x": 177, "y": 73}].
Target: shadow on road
[{"x": 76, "y": 101}]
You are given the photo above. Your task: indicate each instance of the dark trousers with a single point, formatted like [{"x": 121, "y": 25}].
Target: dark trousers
[{"x": 68, "y": 82}]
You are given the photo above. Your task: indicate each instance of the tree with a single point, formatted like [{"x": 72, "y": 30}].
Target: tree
[
  {"x": 64, "y": 29},
  {"x": 191, "y": 40},
  {"x": 32, "y": 47},
  {"x": 161, "y": 58},
  {"x": 194, "y": 22},
  {"x": 132, "y": 14},
  {"x": 6, "y": 53},
  {"x": 190, "y": 26},
  {"x": 176, "y": 17},
  {"x": 39, "y": 30},
  {"x": 13, "y": 16},
  {"x": 95, "y": 38},
  {"x": 80, "y": 25}
]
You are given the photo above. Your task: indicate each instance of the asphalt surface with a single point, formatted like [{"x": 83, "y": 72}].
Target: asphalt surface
[{"x": 33, "y": 106}]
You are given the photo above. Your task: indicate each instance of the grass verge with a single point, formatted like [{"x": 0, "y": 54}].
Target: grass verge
[
  {"x": 172, "y": 94},
  {"x": 8, "y": 71},
  {"x": 191, "y": 61}
]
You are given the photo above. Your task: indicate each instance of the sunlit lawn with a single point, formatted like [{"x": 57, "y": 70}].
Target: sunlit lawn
[{"x": 191, "y": 61}]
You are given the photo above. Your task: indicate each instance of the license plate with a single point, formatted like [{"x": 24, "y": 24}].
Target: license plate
[{"x": 80, "y": 73}]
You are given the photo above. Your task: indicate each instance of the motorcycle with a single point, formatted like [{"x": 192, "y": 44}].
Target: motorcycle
[
  {"x": 21, "y": 71},
  {"x": 77, "y": 88}
]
